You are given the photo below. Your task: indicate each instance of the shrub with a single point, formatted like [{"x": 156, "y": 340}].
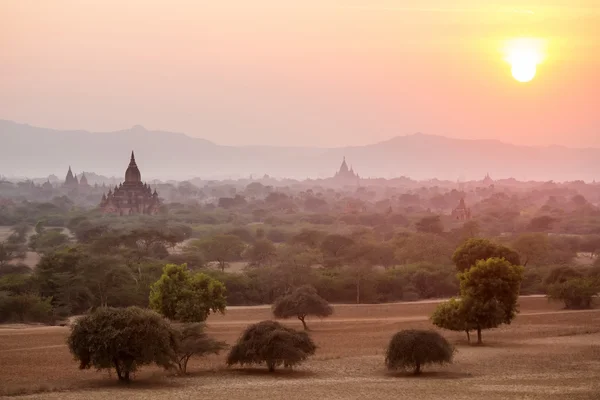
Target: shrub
[
  {"x": 193, "y": 341},
  {"x": 187, "y": 297},
  {"x": 25, "y": 307},
  {"x": 576, "y": 293},
  {"x": 271, "y": 343},
  {"x": 452, "y": 315},
  {"x": 416, "y": 348},
  {"x": 122, "y": 338},
  {"x": 301, "y": 303},
  {"x": 561, "y": 274},
  {"x": 474, "y": 250}
]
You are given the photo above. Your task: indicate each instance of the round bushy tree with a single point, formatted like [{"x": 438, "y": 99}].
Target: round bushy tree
[
  {"x": 193, "y": 341},
  {"x": 302, "y": 302},
  {"x": 452, "y": 315},
  {"x": 575, "y": 293},
  {"x": 122, "y": 338},
  {"x": 474, "y": 250},
  {"x": 271, "y": 343},
  {"x": 416, "y": 348},
  {"x": 181, "y": 295}
]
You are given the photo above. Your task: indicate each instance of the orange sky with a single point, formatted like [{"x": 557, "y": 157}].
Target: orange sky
[{"x": 311, "y": 72}]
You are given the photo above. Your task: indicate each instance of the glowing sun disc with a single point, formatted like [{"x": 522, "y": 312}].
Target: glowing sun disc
[
  {"x": 524, "y": 71},
  {"x": 524, "y": 55}
]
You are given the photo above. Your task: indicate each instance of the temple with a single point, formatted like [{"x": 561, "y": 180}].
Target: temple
[
  {"x": 461, "y": 212},
  {"x": 71, "y": 181},
  {"x": 345, "y": 174},
  {"x": 132, "y": 196},
  {"x": 488, "y": 181}
]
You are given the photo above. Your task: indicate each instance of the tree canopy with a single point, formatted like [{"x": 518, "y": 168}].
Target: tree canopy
[
  {"x": 302, "y": 302},
  {"x": 123, "y": 339},
  {"x": 187, "y": 297},
  {"x": 417, "y": 348},
  {"x": 474, "y": 250},
  {"x": 271, "y": 343}
]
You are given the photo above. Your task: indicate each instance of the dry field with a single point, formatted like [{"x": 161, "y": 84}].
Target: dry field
[{"x": 545, "y": 354}]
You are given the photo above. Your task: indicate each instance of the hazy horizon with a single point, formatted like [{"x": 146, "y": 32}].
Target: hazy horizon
[
  {"x": 340, "y": 146},
  {"x": 324, "y": 73}
]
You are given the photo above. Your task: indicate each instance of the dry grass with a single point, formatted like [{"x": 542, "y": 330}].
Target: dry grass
[{"x": 545, "y": 354}]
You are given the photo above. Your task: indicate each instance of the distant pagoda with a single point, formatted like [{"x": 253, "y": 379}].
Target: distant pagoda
[
  {"x": 132, "y": 196},
  {"x": 345, "y": 174},
  {"x": 461, "y": 212},
  {"x": 71, "y": 181}
]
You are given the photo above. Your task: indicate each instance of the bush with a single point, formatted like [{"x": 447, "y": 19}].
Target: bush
[
  {"x": 271, "y": 343},
  {"x": 576, "y": 293},
  {"x": 561, "y": 274},
  {"x": 25, "y": 307},
  {"x": 301, "y": 303},
  {"x": 187, "y": 297},
  {"x": 193, "y": 341},
  {"x": 416, "y": 348},
  {"x": 452, "y": 315},
  {"x": 124, "y": 339}
]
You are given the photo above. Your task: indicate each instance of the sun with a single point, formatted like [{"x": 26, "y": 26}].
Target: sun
[{"x": 524, "y": 55}]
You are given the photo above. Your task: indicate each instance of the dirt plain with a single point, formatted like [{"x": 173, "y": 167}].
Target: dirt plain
[{"x": 546, "y": 353}]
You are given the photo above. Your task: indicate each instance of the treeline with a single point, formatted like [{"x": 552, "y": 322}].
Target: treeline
[{"x": 113, "y": 263}]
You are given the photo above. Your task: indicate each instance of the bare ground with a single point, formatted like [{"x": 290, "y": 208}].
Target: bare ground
[{"x": 545, "y": 354}]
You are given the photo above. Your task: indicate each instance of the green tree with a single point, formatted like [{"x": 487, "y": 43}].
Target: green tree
[
  {"x": 123, "y": 339},
  {"x": 490, "y": 291},
  {"x": 193, "y": 341},
  {"x": 301, "y": 303},
  {"x": 221, "y": 248},
  {"x": 452, "y": 315},
  {"x": 575, "y": 293},
  {"x": 432, "y": 224},
  {"x": 335, "y": 249},
  {"x": 187, "y": 297},
  {"x": 271, "y": 343},
  {"x": 416, "y": 348},
  {"x": 261, "y": 253},
  {"x": 474, "y": 250},
  {"x": 532, "y": 248},
  {"x": 47, "y": 240}
]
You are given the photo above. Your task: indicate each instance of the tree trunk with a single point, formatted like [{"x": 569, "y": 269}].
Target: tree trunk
[
  {"x": 358, "y": 291},
  {"x": 301, "y": 318},
  {"x": 479, "y": 336},
  {"x": 418, "y": 369},
  {"x": 271, "y": 366},
  {"x": 468, "y": 336},
  {"x": 118, "y": 368}
]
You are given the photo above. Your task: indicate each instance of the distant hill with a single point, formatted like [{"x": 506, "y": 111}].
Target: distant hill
[{"x": 38, "y": 152}]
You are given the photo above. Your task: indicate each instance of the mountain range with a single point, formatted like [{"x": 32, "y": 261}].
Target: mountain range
[{"x": 27, "y": 151}]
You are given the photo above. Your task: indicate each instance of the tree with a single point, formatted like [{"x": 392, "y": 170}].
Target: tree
[
  {"x": 575, "y": 293},
  {"x": 193, "y": 341},
  {"x": 182, "y": 296},
  {"x": 221, "y": 248},
  {"x": 262, "y": 252},
  {"x": 335, "y": 249},
  {"x": 561, "y": 274},
  {"x": 532, "y": 248},
  {"x": 416, "y": 348},
  {"x": 47, "y": 240},
  {"x": 490, "y": 290},
  {"x": 452, "y": 315},
  {"x": 271, "y": 343},
  {"x": 123, "y": 339},
  {"x": 10, "y": 252},
  {"x": 302, "y": 302},
  {"x": 432, "y": 224},
  {"x": 474, "y": 250}
]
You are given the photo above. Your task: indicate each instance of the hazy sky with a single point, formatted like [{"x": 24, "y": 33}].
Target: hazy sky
[{"x": 302, "y": 72}]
